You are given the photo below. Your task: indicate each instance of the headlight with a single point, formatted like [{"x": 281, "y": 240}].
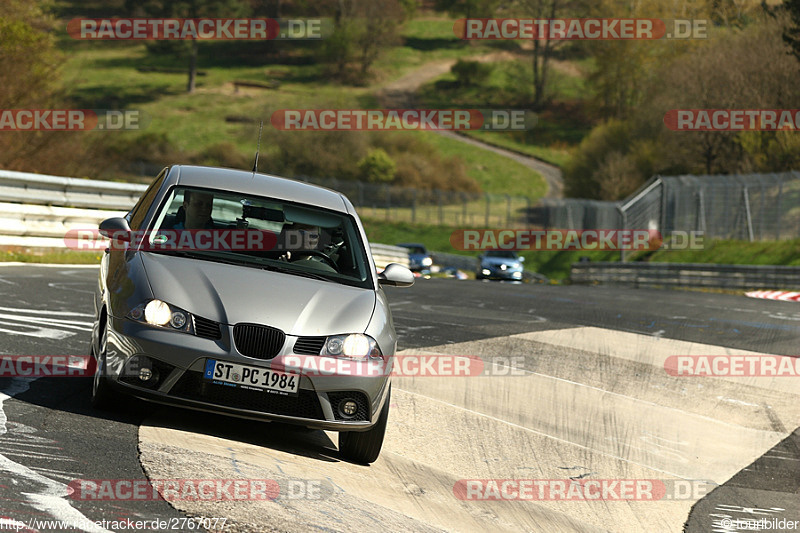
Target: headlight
[
  {"x": 427, "y": 262},
  {"x": 353, "y": 346},
  {"x": 162, "y": 314},
  {"x": 516, "y": 265}
]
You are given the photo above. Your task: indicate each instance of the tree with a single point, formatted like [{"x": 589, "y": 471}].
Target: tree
[
  {"x": 186, "y": 9},
  {"x": 468, "y": 8},
  {"x": 791, "y": 35},
  {"x": 362, "y": 29},
  {"x": 544, "y": 48}
]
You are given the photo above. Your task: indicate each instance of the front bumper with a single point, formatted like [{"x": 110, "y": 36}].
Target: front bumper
[
  {"x": 498, "y": 273},
  {"x": 178, "y": 360}
]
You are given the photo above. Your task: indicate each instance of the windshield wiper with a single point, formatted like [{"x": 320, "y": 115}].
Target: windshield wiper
[
  {"x": 205, "y": 256},
  {"x": 296, "y": 272}
]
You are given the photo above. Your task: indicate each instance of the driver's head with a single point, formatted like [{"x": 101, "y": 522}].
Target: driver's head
[
  {"x": 309, "y": 236},
  {"x": 198, "y": 206}
]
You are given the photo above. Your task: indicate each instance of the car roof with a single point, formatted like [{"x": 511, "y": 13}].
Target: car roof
[{"x": 257, "y": 184}]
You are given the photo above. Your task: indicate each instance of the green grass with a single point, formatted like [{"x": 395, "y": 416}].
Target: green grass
[
  {"x": 423, "y": 40},
  {"x": 495, "y": 173},
  {"x": 558, "y": 156},
  {"x": 559, "y": 128},
  {"x": 736, "y": 253},
  {"x": 69, "y": 257}
]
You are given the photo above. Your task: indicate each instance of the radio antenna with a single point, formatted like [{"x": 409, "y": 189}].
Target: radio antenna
[{"x": 258, "y": 147}]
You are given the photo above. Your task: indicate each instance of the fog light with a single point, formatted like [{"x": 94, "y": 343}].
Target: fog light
[{"x": 348, "y": 408}]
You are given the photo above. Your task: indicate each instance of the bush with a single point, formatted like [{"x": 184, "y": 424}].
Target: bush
[
  {"x": 377, "y": 167},
  {"x": 471, "y": 73},
  {"x": 224, "y": 154}
]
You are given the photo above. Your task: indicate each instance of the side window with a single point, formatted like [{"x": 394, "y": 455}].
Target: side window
[{"x": 139, "y": 211}]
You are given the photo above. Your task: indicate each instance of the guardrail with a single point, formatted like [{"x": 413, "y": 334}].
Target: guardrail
[
  {"x": 687, "y": 275},
  {"x": 37, "y": 211}
]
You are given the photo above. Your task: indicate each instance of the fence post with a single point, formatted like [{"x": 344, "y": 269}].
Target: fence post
[
  {"x": 778, "y": 211},
  {"x": 624, "y": 216},
  {"x": 746, "y": 195},
  {"x": 527, "y": 211}
]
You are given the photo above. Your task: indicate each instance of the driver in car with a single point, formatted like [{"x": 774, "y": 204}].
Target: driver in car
[{"x": 196, "y": 211}]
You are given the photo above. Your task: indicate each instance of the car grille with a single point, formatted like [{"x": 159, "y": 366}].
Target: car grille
[
  {"x": 204, "y": 327},
  {"x": 359, "y": 397},
  {"x": 192, "y": 386},
  {"x": 309, "y": 345},
  {"x": 261, "y": 342}
]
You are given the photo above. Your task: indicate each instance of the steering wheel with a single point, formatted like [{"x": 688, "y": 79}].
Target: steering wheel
[{"x": 315, "y": 253}]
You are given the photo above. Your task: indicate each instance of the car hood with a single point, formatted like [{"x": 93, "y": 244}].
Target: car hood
[{"x": 232, "y": 294}]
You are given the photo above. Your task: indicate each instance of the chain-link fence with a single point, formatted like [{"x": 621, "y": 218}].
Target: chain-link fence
[
  {"x": 575, "y": 214},
  {"x": 748, "y": 207},
  {"x": 435, "y": 207}
]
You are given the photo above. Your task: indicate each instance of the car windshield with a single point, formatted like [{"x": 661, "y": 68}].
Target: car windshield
[
  {"x": 501, "y": 254},
  {"x": 415, "y": 249},
  {"x": 260, "y": 232}
]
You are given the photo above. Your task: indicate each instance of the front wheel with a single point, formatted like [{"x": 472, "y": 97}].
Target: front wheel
[
  {"x": 104, "y": 397},
  {"x": 365, "y": 446}
]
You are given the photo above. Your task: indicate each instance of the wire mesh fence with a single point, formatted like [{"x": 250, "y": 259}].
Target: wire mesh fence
[
  {"x": 748, "y": 207},
  {"x": 434, "y": 207},
  {"x": 752, "y": 207}
]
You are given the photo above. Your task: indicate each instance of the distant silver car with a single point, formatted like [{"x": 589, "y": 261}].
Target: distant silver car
[{"x": 190, "y": 311}]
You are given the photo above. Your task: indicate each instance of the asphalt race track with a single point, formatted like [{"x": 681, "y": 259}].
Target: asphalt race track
[{"x": 574, "y": 391}]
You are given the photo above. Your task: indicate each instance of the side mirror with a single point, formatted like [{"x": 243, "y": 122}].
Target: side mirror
[
  {"x": 116, "y": 228},
  {"x": 396, "y": 275}
]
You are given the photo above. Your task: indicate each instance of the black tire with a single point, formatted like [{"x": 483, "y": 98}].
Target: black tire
[
  {"x": 104, "y": 397},
  {"x": 365, "y": 446}
]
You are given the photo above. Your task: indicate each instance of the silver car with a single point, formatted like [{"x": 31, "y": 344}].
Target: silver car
[{"x": 217, "y": 278}]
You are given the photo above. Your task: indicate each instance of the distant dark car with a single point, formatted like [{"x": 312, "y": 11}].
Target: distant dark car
[
  {"x": 500, "y": 264},
  {"x": 418, "y": 257}
]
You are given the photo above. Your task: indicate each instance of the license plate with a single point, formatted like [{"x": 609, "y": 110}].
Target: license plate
[{"x": 250, "y": 377}]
